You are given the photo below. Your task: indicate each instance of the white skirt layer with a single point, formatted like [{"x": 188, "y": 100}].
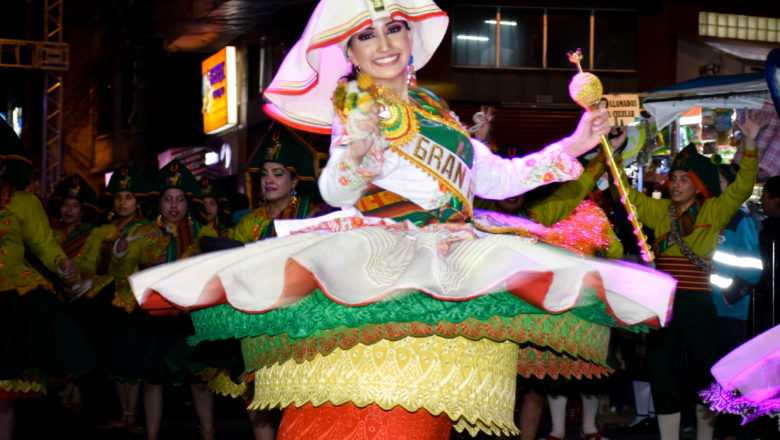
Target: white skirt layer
[{"x": 364, "y": 265}]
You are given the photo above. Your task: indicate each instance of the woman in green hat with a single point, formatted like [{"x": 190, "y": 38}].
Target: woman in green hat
[
  {"x": 284, "y": 168},
  {"x": 216, "y": 207},
  {"x": 33, "y": 354},
  {"x": 123, "y": 346},
  {"x": 74, "y": 203},
  {"x": 687, "y": 226},
  {"x": 173, "y": 235}
]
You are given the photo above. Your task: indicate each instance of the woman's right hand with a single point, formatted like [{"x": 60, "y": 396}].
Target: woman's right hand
[
  {"x": 121, "y": 246},
  {"x": 362, "y": 139}
]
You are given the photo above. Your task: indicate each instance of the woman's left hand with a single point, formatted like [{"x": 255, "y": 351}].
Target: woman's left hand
[
  {"x": 68, "y": 269},
  {"x": 592, "y": 125},
  {"x": 752, "y": 125}
]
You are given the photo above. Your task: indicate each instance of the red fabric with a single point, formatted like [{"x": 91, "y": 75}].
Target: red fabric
[
  {"x": 349, "y": 422},
  {"x": 688, "y": 275},
  {"x": 530, "y": 286}
]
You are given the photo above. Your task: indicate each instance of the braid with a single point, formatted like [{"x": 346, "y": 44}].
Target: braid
[{"x": 702, "y": 263}]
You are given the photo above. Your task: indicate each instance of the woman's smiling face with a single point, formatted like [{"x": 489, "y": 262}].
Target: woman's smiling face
[
  {"x": 382, "y": 50},
  {"x": 277, "y": 181}
]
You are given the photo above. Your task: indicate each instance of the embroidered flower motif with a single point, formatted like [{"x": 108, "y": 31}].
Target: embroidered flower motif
[
  {"x": 354, "y": 176},
  {"x": 441, "y": 196}
]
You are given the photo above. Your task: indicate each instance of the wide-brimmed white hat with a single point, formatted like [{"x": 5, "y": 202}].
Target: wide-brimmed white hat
[{"x": 299, "y": 95}]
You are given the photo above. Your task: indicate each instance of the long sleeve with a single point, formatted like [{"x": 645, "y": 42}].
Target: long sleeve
[
  {"x": 560, "y": 203},
  {"x": 498, "y": 178},
  {"x": 615, "y": 247},
  {"x": 653, "y": 213},
  {"x": 742, "y": 258},
  {"x": 251, "y": 226},
  {"x": 126, "y": 265},
  {"x": 243, "y": 230},
  {"x": 342, "y": 182},
  {"x": 89, "y": 258},
  {"x": 728, "y": 203},
  {"x": 37, "y": 233}
]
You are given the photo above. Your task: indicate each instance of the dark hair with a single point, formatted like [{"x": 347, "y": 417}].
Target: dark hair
[
  {"x": 772, "y": 186},
  {"x": 238, "y": 201},
  {"x": 728, "y": 171},
  {"x": 352, "y": 76}
]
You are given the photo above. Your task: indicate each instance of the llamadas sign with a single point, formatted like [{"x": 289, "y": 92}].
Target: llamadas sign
[
  {"x": 218, "y": 91},
  {"x": 623, "y": 108}
]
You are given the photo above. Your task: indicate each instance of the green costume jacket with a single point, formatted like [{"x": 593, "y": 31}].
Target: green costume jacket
[{"x": 23, "y": 222}]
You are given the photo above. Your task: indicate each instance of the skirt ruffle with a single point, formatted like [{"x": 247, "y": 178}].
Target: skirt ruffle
[
  {"x": 39, "y": 343},
  {"x": 748, "y": 379},
  {"x": 366, "y": 265},
  {"x": 308, "y": 307}
]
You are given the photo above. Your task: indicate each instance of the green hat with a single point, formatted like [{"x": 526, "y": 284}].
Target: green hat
[
  {"x": 283, "y": 147},
  {"x": 702, "y": 171},
  {"x": 75, "y": 187},
  {"x": 11, "y": 149},
  {"x": 125, "y": 178},
  {"x": 176, "y": 175},
  {"x": 208, "y": 188}
]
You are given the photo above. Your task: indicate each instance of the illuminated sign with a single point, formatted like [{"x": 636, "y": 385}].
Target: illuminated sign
[{"x": 218, "y": 91}]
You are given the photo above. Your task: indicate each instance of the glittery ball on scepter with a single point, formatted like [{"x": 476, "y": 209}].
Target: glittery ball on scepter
[{"x": 585, "y": 88}]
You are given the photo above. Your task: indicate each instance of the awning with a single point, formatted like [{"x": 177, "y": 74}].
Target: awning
[{"x": 666, "y": 104}]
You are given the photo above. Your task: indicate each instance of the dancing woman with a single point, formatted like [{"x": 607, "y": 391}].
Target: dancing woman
[
  {"x": 74, "y": 205},
  {"x": 172, "y": 236},
  {"x": 687, "y": 226},
  {"x": 285, "y": 171},
  {"x": 33, "y": 354},
  {"x": 122, "y": 348},
  {"x": 215, "y": 207},
  {"x": 398, "y": 321}
]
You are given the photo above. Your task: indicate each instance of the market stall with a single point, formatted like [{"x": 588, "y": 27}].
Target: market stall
[{"x": 702, "y": 111}]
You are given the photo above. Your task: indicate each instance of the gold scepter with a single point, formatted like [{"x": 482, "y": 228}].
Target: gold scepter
[{"x": 586, "y": 90}]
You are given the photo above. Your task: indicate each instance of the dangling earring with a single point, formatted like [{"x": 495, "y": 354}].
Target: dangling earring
[
  {"x": 358, "y": 69},
  {"x": 411, "y": 78},
  {"x": 159, "y": 220},
  {"x": 294, "y": 198}
]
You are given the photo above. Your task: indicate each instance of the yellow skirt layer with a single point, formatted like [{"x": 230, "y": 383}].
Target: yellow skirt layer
[
  {"x": 23, "y": 386},
  {"x": 473, "y": 382}
]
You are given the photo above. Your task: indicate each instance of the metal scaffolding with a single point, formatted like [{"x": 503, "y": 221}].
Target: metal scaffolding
[
  {"x": 51, "y": 56},
  {"x": 51, "y": 156}
]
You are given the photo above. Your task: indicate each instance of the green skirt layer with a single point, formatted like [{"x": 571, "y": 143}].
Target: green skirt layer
[{"x": 316, "y": 313}]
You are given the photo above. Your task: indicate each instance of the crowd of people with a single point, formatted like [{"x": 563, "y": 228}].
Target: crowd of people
[{"x": 419, "y": 285}]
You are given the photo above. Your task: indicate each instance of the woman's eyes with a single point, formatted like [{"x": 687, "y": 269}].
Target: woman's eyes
[
  {"x": 392, "y": 29},
  {"x": 278, "y": 173},
  {"x": 365, "y": 36}
]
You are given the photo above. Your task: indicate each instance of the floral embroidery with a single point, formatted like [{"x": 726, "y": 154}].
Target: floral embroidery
[
  {"x": 355, "y": 176},
  {"x": 552, "y": 164},
  {"x": 441, "y": 197}
]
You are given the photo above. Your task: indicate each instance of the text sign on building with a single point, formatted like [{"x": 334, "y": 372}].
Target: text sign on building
[
  {"x": 622, "y": 108},
  {"x": 218, "y": 91}
]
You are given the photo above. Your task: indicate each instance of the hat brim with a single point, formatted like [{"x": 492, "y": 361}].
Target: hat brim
[{"x": 300, "y": 93}]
